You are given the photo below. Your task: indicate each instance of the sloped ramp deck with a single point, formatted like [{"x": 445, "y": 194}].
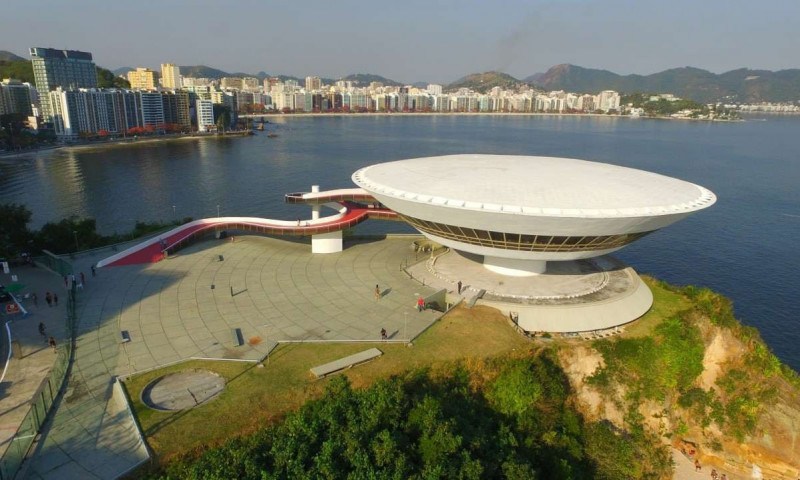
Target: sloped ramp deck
[{"x": 346, "y": 362}]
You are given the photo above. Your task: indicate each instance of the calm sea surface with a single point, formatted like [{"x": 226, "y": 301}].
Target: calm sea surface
[{"x": 744, "y": 247}]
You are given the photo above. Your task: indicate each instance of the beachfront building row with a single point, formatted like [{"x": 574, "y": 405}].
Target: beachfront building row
[
  {"x": 93, "y": 111},
  {"x": 403, "y": 99}
]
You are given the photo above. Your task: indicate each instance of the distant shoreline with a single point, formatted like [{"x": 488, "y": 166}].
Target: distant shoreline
[
  {"x": 469, "y": 114},
  {"x": 128, "y": 141}
]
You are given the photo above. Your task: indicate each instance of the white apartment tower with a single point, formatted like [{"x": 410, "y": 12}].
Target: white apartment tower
[
  {"x": 434, "y": 89},
  {"x": 170, "y": 76},
  {"x": 205, "y": 115},
  {"x": 608, "y": 100},
  {"x": 313, "y": 84}
]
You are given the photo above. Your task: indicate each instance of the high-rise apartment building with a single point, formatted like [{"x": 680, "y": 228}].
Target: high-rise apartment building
[
  {"x": 313, "y": 84},
  {"x": 231, "y": 82},
  {"x": 204, "y": 110},
  {"x": 250, "y": 84},
  {"x": 54, "y": 68},
  {"x": 434, "y": 89},
  {"x": 170, "y": 76},
  {"x": 608, "y": 100},
  {"x": 152, "y": 109},
  {"x": 15, "y": 97},
  {"x": 176, "y": 109},
  {"x": 142, "y": 79}
]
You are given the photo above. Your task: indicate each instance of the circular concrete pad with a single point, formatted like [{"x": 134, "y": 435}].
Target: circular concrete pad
[{"x": 183, "y": 390}]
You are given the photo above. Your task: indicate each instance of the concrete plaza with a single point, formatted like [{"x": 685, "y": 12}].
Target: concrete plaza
[{"x": 273, "y": 290}]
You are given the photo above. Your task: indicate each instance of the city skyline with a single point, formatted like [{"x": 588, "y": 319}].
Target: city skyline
[{"x": 422, "y": 42}]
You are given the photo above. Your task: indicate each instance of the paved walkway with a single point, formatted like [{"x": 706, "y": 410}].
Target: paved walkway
[
  {"x": 25, "y": 374},
  {"x": 281, "y": 292}
]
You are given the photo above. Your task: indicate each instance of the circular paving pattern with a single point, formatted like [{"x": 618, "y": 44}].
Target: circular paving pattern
[{"x": 182, "y": 390}]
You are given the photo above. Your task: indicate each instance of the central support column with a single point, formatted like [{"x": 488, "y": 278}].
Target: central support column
[
  {"x": 514, "y": 267},
  {"x": 330, "y": 242},
  {"x": 315, "y": 207},
  {"x": 327, "y": 242}
]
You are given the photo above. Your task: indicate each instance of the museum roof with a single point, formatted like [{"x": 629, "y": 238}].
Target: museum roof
[{"x": 533, "y": 185}]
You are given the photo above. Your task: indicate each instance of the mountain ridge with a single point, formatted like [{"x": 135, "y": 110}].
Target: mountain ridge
[{"x": 740, "y": 85}]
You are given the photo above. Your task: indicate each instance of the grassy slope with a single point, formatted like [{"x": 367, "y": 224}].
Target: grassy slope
[{"x": 256, "y": 396}]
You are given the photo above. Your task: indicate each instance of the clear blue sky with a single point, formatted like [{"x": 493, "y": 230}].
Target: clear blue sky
[{"x": 409, "y": 41}]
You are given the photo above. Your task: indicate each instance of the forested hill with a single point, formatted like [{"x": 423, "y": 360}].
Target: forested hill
[
  {"x": 6, "y": 56},
  {"x": 742, "y": 85},
  {"x": 482, "y": 82},
  {"x": 365, "y": 79}
]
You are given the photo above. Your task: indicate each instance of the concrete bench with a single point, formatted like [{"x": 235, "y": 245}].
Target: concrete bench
[
  {"x": 346, "y": 362},
  {"x": 238, "y": 338}
]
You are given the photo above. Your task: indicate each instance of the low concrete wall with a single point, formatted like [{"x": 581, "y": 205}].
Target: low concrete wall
[{"x": 122, "y": 403}]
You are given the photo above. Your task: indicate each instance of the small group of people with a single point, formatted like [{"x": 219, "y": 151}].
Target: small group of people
[
  {"x": 51, "y": 341},
  {"x": 51, "y": 299},
  {"x": 717, "y": 476},
  {"x": 71, "y": 279}
]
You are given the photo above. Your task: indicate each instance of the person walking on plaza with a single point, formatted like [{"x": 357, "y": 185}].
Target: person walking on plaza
[
  {"x": 420, "y": 304},
  {"x": 94, "y": 271},
  {"x": 83, "y": 279},
  {"x": 377, "y": 292},
  {"x": 459, "y": 287},
  {"x": 42, "y": 330},
  {"x": 383, "y": 334},
  {"x": 35, "y": 299},
  {"x": 49, "y": 299},
  {"x": 52, "y": 343},
  {"x": 55, "y": 299}
]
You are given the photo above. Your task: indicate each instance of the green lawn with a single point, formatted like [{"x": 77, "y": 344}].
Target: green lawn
[
  {"x": 666, "y": 303},
  {"x": 256, "y": 396}
]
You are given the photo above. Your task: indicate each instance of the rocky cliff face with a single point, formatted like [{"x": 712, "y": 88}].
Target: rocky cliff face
[{"x": 742, "y": 408}]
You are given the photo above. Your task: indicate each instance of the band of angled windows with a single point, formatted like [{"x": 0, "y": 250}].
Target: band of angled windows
[{"x": 524, "y": 242}]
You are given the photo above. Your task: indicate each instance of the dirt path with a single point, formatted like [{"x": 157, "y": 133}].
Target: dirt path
[{"x": 684, "y": 469}]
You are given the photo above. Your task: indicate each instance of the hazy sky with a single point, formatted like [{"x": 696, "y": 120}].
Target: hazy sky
[{"x": 409, "y": 41}]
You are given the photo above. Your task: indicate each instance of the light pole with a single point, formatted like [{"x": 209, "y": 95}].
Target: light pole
[
  {"x": 75, "y": 233},
  {"x": 174, "y": 213}
]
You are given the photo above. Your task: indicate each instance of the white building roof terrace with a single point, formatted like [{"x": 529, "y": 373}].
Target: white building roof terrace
[{"x": 533, "y": 185}]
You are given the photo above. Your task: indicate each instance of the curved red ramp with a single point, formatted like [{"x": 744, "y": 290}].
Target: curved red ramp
[{"x": 156, "y": 248}]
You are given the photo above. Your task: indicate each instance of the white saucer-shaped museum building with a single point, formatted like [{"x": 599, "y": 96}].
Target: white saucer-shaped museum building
[{"x": 519, "y": 212}]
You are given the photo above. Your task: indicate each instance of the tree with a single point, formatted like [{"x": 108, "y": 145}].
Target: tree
[
  {"x": 61, "y": 236},
  {"x": 21, "y": 70},
  {"x": 14, "y": 233},
  {"x": 222, "y": 117},
  {"x": 12, "y": 125},
  {"x": 107, "y": 79}
]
